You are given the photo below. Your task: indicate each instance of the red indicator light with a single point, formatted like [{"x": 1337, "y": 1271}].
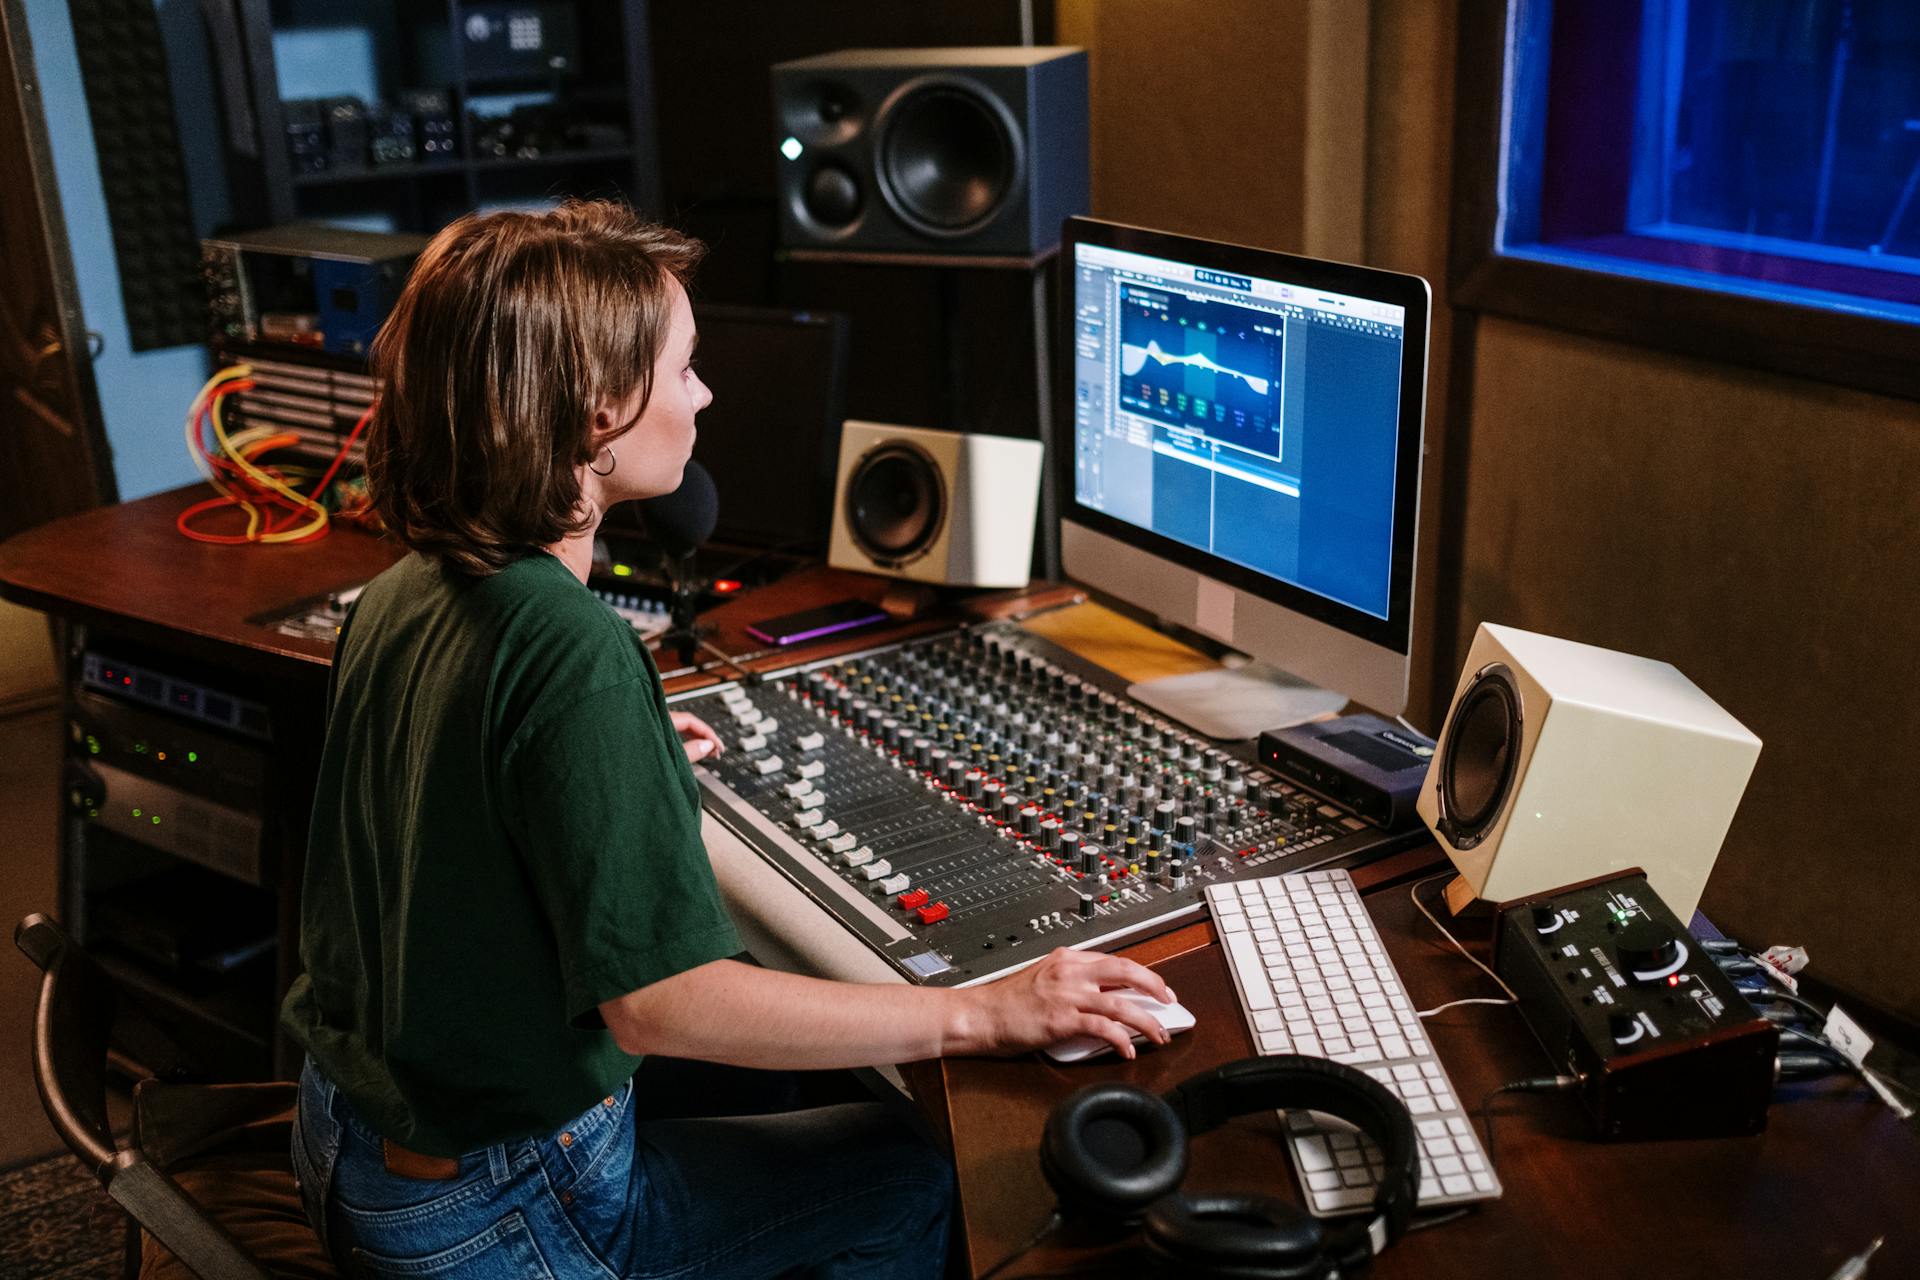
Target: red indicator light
[
  {"x": 1674, "y": 980},
  {"x": 126, "y": 679},
  {"x": 725, "y": 586}
]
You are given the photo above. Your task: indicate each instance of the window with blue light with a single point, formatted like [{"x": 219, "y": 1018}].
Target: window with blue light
[{"x": 1769, "y": 148}]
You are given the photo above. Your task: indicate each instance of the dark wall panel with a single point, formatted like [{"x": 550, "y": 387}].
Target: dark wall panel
[
  {"x": 1758, "y": 532},
  {"x": 123, "y": 65}
]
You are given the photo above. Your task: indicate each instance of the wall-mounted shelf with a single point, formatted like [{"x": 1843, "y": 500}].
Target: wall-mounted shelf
[{"x": 419, "y": 44}]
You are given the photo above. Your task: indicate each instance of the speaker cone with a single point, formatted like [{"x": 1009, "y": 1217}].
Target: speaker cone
[
  {"x": 896, "y": 504},
  {"x": 948, "y": 160},
  {"x": 1482, "y": 755},
  {"x": 833, "y": 196}
]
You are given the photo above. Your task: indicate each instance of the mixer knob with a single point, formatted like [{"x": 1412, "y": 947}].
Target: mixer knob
[
  {"x": 956, "y": 770},
  {"x": 1091, "y": 855},
  {"x": 1050, "y": 833},
  {"x": 1029, "y": 820},
  {"x": 1164, "y": 814},
  {"x": 1136, "y": 826},
  {"x": 1276, "y": 802},
  {"x": 1648, "y": 951},
  {"x": 1235, "y": 816},
  {"x": 1087, "y": 907},
  {"x": 971, "y": 782},
  {"x": 1212, "y": 804},
  {"x": 1624, "y": 1028},
  {"x": 1070, "y": 848},
  {"x": 1183, "y": 831},
  {"x": 1210, "y": 823}
]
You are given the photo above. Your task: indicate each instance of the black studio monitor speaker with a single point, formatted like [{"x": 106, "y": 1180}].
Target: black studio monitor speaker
[{"x": 968, "y": 151}]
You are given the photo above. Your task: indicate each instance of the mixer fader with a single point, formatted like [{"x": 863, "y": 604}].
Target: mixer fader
[{"x": 965, "y": 803}]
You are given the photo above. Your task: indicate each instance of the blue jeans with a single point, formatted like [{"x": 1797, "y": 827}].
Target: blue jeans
[{"x": 842, "y": 1191}]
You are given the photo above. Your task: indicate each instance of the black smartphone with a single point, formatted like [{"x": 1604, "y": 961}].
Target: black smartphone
[{"x": 811, "y": 624}]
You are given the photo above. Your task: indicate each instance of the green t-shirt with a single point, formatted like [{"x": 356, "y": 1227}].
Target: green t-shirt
[{"x": 505, "y": 833}]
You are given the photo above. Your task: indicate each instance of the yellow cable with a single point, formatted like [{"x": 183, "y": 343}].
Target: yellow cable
[
  {"x": 233, "y": 448},
  {"x": 272, "y": 483},
  {"x": 229, "y": 374}
]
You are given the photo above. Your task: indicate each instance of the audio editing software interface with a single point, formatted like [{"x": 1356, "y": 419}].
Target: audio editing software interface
[{"x": 1251, "y": 419}]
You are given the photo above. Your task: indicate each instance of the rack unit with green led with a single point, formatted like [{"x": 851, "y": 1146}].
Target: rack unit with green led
[
  {"x": 176, "y": 873},
  {"x": 469, "y": 104}
]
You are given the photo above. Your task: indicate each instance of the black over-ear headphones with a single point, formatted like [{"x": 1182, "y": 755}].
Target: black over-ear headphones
[{"x": 1117, "y": 1153}]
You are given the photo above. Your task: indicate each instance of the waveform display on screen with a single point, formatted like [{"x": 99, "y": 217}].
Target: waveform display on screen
[
  {"x": 1202, "y": 365},
  {"x": 1134, "y": 359}
]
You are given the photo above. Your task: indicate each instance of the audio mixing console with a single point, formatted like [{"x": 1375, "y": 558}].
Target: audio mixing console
[{"x": 965, "y": 803}]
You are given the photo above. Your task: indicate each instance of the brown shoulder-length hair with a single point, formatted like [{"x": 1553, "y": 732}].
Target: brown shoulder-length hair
[{"x": 511, "y": 331}]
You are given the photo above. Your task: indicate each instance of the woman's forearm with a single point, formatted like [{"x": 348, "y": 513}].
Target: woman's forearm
[{"x": 746, "y": 1016}]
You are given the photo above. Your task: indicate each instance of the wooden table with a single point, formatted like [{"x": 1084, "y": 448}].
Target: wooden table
[{"x": 1833, "y": 1170}]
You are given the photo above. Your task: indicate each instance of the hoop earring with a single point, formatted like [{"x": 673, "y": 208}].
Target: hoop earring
[{"x": 612, "y": 462}]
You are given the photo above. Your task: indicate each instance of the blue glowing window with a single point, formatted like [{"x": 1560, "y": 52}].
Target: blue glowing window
[{"x": 1762, "y": 147}]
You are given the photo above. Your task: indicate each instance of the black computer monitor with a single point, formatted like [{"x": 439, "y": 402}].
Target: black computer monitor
[
  {"x": 771, "y": 437},
  {"x": 1245, "y": 457}
]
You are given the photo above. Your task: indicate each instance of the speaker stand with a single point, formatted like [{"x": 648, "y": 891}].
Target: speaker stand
[
  {"x": 905, "y": 601},
  {"x": 1237, "y": 702},
  {"x": 1462, "y": 901}
]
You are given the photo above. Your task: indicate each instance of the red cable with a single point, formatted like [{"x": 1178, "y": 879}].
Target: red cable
[{"x": 255, "y": 492}]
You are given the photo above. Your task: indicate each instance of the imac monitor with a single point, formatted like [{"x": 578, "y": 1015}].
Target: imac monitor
[{"x": 1246, "y": 457}]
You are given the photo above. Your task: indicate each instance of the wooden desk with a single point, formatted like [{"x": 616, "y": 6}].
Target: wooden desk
[{"x": 1834, "y": 1169}]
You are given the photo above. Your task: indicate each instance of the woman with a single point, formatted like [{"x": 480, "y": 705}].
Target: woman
[{"x": 506, "y": 903}]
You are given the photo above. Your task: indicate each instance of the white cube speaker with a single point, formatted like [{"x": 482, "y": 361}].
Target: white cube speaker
[
  {"x": 1561, "y": 762},
  {"x": 944, "y": 507}
]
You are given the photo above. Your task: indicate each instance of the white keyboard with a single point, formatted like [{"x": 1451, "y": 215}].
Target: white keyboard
[{"x": 1313, "y": 979}]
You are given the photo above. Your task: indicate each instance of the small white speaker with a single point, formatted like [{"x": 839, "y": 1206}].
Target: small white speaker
[
  {"x": 1560, "y": 762},
  {"x": 944, "y": 507}
]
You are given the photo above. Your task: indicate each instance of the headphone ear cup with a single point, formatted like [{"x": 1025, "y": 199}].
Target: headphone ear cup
[
  {"x": 1110, "y": 1150},
  {"x": 1237, "y": 1236}
]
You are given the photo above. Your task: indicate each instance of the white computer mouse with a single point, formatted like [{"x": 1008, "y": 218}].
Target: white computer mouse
[{"x": 1173, "y": 1017}]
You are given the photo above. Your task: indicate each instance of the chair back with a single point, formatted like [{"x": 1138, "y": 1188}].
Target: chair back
[{"x": 80, "y": 1014}]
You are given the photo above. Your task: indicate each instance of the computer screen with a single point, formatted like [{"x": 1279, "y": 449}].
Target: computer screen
[{"x": 1251, "y": 419}]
